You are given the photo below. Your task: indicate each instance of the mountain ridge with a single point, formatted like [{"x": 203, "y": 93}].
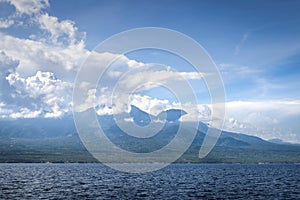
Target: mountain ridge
[{"x": 56, "y": 140}]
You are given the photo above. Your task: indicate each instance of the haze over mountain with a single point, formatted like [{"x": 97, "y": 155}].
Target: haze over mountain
[{"x": 56, "y": 140}]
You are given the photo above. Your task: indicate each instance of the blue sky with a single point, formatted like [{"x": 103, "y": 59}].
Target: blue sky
[
  {"x": 255, "y": 44},
  {"x": 260, "y": 36}
]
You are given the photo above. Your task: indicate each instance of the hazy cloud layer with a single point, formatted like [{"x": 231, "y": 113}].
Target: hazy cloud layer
[{"x": 266, "y": 119}]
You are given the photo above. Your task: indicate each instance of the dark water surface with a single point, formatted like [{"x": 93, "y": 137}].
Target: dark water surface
[{"x": 178, "y": 181}]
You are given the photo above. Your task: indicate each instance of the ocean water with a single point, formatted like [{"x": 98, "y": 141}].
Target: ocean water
[{"x": 177, "y": 181}]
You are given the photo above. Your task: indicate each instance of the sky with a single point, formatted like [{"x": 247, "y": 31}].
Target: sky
[{"x": 254, "y": 44}]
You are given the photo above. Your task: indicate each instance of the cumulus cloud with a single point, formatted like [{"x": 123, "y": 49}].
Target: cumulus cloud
[
  {"x": 152, "y": 105},
  {"x": 25, "y": 113},
  {"x": 28, "y": 6},
  {"x": 199, "y": 112},
  {"x": 142, "y": 81},
  {"x": 48, "y": 96},
  {"x": 59, "y": 29},
  {"x": 35, "y": 55},
  {"x": 135, "y": 64},
  {"x": 57, "y": 46},
  {"x": 37, "y": 71},
  {"x": 89, "y": 101},
  {"x": 60, "y": 32},
  {"x": 195, "y": 112},
  {"x": 266, "y": 119},
  {"x": 124, "y": 79}
]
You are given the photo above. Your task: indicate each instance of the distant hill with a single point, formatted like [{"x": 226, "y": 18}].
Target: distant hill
[
  {"x": 56, "y": 140},
  {"x": 279, "y": 141}
]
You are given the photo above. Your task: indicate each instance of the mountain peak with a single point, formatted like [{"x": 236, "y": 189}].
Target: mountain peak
[
  {"x": 171, "y": 115},
  {"x": 140, "y": 117},
  {"x": 143, "y": 118}
]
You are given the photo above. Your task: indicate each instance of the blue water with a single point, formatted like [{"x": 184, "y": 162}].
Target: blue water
[{"x": 178, "y": 181}]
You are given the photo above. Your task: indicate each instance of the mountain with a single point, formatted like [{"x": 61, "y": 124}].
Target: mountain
[
  {"x": 279, "y": 141},
  {"x": 143, "y": 118},
  {"x": 171, "y": 115},
  {"x": 140, "y": 117},
  {"x": 56, "y": 140}
]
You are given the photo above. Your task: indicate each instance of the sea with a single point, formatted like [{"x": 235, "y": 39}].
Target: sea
[{"x": 177, "y": 181}]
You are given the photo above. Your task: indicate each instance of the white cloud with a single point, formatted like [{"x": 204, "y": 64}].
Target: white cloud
[
  {"x": 28, "y": 6},
  {"x": 135, "y": 64},
  {"x": 65, "y": 29},
  {"x": 44, "y": 90},
  {"x": 152, "y": 105},
  {"x": 58, "y": 46},
  {"x": 146, "y": 78},
  {"x": 152, "y": 77},
  {"x": 114, "y": 74},
  {"x": 43, "y": 83},
  {"x": 7, "y": 63},
  {"x": 25, "y": 113},
  {"x": 37, "y": 71},
  {"x": 56, "y": 111},
  {"x": 282, "y": 107},
  {"x": 265, "y": 119},
  {"x": 191, "y": 75},
  {"x": 36, "y": 55},
  {"x": 60, "y": 32},
  {"x": 199, "y": 112},
  {"x": 125, "y": 78},
  {"x": 89, "y": 102},
  {"x": 5, "y": 23},
  {"x": 105, "y": 110}
]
